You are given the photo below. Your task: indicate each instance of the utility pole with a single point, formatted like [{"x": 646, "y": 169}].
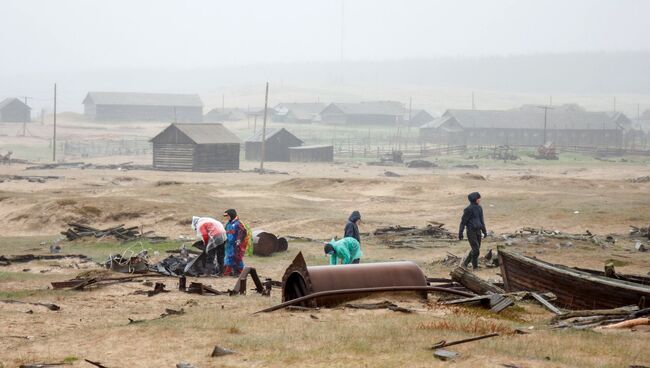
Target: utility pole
[
  {"x": 473, "y": 105},
  {"x": 175, "y": 120},
  {"x": 546, "y": 108},
  {"x": 54, "y": 134},
  {"x": 550, "y": 100},
  {"x": 266, "y": 105},
  {"x": 28, "y": 116},
  {"x": 614, "y": 103}
]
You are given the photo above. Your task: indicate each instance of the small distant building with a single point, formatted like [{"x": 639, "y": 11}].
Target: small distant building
[
  {"x": 304, "y": 113},
  {"x": 311, "y": 154},
  {"x": 196, "y": 147},
  {"x": 218, "y": 115},
  {"x": 13, "y": 110},
  {"x": 123, "y": 106},
  {"x": 364, "y": 113},
  {"x": 418, "y": 118},
  {"x": 278, "y": 142},
  {"x": 443, "y": 130}
]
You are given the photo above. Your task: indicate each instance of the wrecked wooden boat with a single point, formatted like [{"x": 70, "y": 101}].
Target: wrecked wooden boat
[{"x": 574, "y": 289}]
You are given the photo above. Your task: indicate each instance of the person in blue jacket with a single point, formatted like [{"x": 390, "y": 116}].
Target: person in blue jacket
[{"x": 346, "y": 250}]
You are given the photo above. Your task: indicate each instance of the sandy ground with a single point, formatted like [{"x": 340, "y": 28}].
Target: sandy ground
[{"x": 311, "y": 201}]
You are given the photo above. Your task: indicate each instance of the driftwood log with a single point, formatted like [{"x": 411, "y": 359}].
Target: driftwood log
[{"x": 473, "y": 282}]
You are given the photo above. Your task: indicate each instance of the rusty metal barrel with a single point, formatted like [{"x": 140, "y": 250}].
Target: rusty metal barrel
[{"x": 300, "y": 280}]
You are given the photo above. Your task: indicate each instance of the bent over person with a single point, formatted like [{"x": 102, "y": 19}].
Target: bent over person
[
  {"x": 213, "y": 235},
  {"x": 473, "y": 220},
  {"x": 346, "y": 250}
]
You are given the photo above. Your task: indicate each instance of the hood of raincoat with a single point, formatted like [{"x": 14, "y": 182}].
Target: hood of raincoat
[
  {"x": 355, "y": 216},
  {"x": 329, "y": 248},
  {"x": 231, "y": 213},
  {"x": 195, "y": 221},
  {"x": 473, "y": 197}
]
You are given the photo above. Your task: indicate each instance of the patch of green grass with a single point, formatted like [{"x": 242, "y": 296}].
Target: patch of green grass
[
  {"x": 617, "y": 262},
  {"x": 6, "y": 276},
  {"x": 70, "y": 359}
]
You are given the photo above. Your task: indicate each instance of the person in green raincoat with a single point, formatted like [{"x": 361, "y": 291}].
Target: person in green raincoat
[{"x": 347, "y": 250}]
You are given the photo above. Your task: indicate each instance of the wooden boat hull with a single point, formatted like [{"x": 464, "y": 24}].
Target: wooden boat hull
[{"x": 574, "y": 289}]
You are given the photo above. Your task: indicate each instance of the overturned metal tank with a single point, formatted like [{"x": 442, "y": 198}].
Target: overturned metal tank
[
  {"x": 265, "y": 243},
  {"x": 300, "y": 280}
]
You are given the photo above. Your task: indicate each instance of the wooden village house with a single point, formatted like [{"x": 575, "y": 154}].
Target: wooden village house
[
  {"x": 278, "y": 142},
  {"x": 389, "y": 113},
  {"x": 13, "y": 110},
  {"x": 196, "y": 147},
  {"x": 122, "y": 106},
  {"x": 566, "y": 125}
]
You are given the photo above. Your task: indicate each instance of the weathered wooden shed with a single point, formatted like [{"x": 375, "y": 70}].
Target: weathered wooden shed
[
  {"x": 123, "y": 106},
  {"x": 311, "y": 154},
  {"x": 196, "y": 147},
  {"x": 13, "y": 110},
  {"x": 278, "y": 142}
]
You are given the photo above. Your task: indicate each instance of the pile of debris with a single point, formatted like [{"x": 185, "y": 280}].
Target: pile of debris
[
  {"x": 82, "y": 165},
  {"x": 504, "y": 153},
  {"x": 77, "y": 231},
  {"x": 421, "y": 164},
  {"x": 640, "y": 232},
  {"x": 31, "y": 178},
  {"x": 138, "y": 263},
  {"x": 640, "y": 179},
  {"x": 541, "y": 236},
  {"x": 625, "y": 317},
  {"x": 412, "y": 236}
]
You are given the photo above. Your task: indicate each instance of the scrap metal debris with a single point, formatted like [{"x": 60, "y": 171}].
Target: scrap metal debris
[
  {"x": 218, "y": 351},
  {"x": 31, "y": 178},
  {"x": 23, "y": 258},
  {"x": 540, "y": 236},
  {"x": 168, "y": 312},
  {"x": 381, "y": 305},
  {"x": 266, "y": 243},
  {"x": 445, "y": 355},
  {"x": 240, "y": 285},
  {"x": 640, "y": 231},
  {"x": 625, "y": 317},
  {"x": 135, "y": 264},
  {"x": 50, "y": 306},
  {"x": 96, "y": 364},
  {"x": 77, "y": 231},
  {"x": 640, "y": 179},
  {"x": 412, "y": 236},
  {"x": 444, "y": 343}
]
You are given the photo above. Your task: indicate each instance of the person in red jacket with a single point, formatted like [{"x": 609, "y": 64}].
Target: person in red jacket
[{"x": 214, "y": 239}]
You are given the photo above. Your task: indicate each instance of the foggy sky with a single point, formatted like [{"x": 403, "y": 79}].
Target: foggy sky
[{"x": 46, "y": 35}]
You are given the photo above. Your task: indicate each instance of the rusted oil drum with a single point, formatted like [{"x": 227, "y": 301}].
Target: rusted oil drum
[
  {"x": 300, "y": 280},
  {"x": 283, "y": 245},
  {"x": 264, "y": 243}
]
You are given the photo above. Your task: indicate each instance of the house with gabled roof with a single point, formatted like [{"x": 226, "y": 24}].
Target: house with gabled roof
[
  {"x": 128, "y": 106},
  {"x": 196, "y": 147}
]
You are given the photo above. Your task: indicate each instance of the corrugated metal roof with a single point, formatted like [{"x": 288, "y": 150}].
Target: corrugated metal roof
[
  {"x": 144, "y": 99},
  {"x": 205, "y": 133},
  {"x": 528, "y": 118}
]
